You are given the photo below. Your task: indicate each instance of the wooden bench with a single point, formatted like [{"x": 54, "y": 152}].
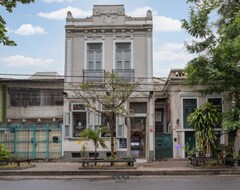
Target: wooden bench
[
  {"x": 202, "y": 161},
  {"x": 111, "y": 162},
  {"x": 17, "y": 161}
]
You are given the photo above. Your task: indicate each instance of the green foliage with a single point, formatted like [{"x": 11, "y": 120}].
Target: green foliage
[
  {"x": 114, "y": 157},
  {"x": 230, "y": 123},
  {"x": 9, "y": 5},
  {"x": 203, "y": 120},
  {"x": 94, "y": 136},
  {"x": 112, "y": 94},
  {"x": 190, "y": 152},
  {"x": 4, "y": 154},
  {"x": 214, "y": 24},
  {"x": 83, "y": 149}
]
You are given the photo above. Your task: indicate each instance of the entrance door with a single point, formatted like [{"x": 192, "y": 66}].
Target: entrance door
[
  {"x": 138, "y": 137},
  {"x": 190, "y": 139},
  {"x": 163, "y": 146}
]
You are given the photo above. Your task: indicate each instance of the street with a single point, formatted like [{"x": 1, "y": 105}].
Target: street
[{"x": 126, "y": 182}]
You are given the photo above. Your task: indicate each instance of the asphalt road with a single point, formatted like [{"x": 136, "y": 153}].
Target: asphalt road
[{"x": 126, "y": 183}]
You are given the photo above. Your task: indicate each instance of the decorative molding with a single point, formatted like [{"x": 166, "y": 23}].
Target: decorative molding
[
  {"x": 119, "y": 12},
  {"x": 108, "y": 19}
]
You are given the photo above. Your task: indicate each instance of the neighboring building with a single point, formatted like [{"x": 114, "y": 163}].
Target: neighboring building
[
  {"x": 31, "y": 116},
  {"x": 38, "y": 99},
  {"x": 178, "y": 101},
  {"x": 109, "y": 41},
  {"x": 163, "y": 145}
]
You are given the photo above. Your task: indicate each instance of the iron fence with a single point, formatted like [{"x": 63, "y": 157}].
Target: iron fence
[{"x": 32, "y": 141}]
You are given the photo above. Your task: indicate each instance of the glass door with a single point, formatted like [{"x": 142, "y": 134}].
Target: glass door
[{"x": 138, "y": 137}]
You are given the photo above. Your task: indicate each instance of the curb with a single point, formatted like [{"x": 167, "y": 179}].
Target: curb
[{"x": 122, "y": 172}]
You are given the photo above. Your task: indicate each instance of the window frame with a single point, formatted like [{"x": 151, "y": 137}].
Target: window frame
[
  {"x": 72, "y": 115},
  {"x": 182, "y": 110},
  {"x": 86, "y": 53},
  {"x": 115, "y": 42}
]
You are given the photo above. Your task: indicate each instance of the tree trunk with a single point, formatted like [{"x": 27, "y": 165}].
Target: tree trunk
[
  {"x": 95, "y": 155},
  {"x": 112, "y": 136}
]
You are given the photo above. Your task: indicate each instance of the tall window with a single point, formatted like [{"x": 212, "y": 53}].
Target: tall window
[
  {"x": 79, "y": 114},
  {"x": 20, "y": 97},
  {"x": 94, "y": 56},
  {"x": 123, "y": 55},
  {"x": 189, "y": 106}
]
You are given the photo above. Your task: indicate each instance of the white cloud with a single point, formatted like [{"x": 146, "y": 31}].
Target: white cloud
[
  {"x": 170, "y": 55},
  {"x": 62, "y": 13},
  {"x": 57, "y": 1},
  {"x": 173, "y": 46},
  {"x": 165, "y": 24},
  {"x": 172, "y": 52},
  {"x": 28, "y": 29},
  {"x": 22, "y": 61},
  {"x": 160, "y": 23},
  {"x": 141, "y": 12}
]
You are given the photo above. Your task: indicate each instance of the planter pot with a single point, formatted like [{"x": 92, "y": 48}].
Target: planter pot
[{"x": 200, "y": 154}]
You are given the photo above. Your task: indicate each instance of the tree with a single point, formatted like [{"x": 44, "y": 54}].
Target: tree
[
  {"x": 203, "y": 120},
  {"x": 215, "y": 26},
  {"x": 111, "y": 94},
  {"x": 9, "y": 5},
  {"x": 94, "y": 135}
]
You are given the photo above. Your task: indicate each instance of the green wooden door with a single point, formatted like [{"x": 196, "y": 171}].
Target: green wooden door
[
  {"x": 190, "y": 139},
  {"x": 163, "y": 146}
]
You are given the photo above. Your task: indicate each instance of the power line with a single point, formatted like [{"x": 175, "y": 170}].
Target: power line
[{"x": 71, "y": 76}]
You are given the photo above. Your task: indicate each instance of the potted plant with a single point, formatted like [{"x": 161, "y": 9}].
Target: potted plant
[{"x": 203, "y": 120}]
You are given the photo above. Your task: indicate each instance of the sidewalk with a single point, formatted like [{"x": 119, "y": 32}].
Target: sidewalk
[{"x": 169, "y": 167}]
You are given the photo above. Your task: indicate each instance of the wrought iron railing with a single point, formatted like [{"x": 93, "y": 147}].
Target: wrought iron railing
[
  {"x": 93, "y": 75},
  {"x": 127, "y": 74}
]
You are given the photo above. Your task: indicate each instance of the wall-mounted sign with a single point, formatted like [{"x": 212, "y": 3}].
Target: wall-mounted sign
[{"x": 122, "y": 143}]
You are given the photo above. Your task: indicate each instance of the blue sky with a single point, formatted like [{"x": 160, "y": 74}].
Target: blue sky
[{"x": 38, "y": 29}]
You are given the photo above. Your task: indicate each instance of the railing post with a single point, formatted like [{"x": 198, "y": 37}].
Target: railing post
[
  {"x": 15, "y": 140},
  {"x": 34, "y": 141},
  {"x": 47, "y": 142}
]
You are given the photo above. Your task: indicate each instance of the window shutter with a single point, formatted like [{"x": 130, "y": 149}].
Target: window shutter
[
  {"x": 91, "y": 120},
  {"x": 97, "y": 119},
  {"x": 67, "y": 122},
  {"x": 67, "y": 118},
  {"x": 120, "y": 126}
]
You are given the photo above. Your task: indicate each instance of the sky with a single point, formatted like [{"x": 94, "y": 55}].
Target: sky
[{"x": 38, "y": 30}]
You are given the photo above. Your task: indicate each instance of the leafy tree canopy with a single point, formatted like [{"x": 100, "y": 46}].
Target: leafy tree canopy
[
  {"x": 8, "y": 5},
  {"x": 215, "y": 26}
]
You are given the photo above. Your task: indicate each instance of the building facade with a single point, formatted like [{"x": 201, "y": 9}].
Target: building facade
[
  {"x": 31, "y": 116},
  {"x": 176, "y": 101},
  {"x": 109, "y": 41}
]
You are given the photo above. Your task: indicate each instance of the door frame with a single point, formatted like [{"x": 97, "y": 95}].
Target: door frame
[{"x": 140, "y": 115}]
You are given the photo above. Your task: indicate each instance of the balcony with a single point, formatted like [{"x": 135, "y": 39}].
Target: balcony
[
  {"x": 93, "y": 75},
  {"x": 127, "y": 74}
]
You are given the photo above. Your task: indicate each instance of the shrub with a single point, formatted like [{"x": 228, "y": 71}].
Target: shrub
[{"x": 4, "y": 154}]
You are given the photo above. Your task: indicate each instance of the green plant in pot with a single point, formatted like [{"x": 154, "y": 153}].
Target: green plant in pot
[{"x": 203, "y": 120}]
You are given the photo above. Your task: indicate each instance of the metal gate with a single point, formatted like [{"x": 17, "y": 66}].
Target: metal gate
[{"x": 32, "y": 141}]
